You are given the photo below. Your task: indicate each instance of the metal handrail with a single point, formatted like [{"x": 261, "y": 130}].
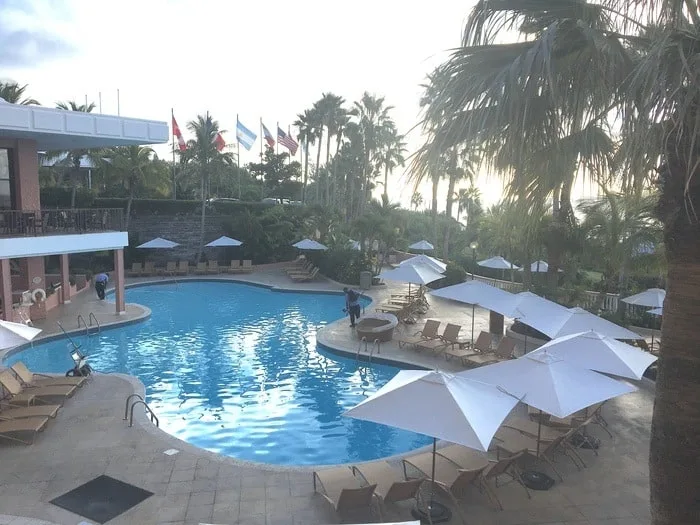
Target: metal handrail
[
  {"x": 81, "y": 318},
  {"x": 76, "y": 346},
  {"x": 90, "y": 318},
  {"x": 139, "y": 401},
  {"x": 126, "y": 407},
  {"x": 359, "y": 348}
]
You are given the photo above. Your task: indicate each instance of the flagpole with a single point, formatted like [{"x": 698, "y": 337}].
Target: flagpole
[
  {"x": 172, "y": 119},
  {"x": 238, "y": 162}
]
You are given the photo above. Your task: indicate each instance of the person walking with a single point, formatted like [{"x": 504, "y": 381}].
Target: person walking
[
  {"x": 352, "y": 305},
  {"x": 101, "y": 284}
]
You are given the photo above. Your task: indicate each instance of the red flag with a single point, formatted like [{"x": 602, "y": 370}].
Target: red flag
[
  {"x": 219, "y": 142},
  {"x": 176, "y": 131}
]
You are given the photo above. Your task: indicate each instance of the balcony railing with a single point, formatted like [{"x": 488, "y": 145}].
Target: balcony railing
[{"x": 30, "y": 223}]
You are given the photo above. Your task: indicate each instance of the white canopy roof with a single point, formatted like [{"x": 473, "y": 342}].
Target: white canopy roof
[
  {"x": 159, "y": 243},
  {"x": 57, "y": 129},
  {"x": 497, "y": 262},
  {"x": 421, "y": 245},
  {"x": 224, "y": 241},
  {"x": 439, "y": 405},
  {"x": 309, "y": 244},
  {"x": 412, "y": 273},
  {"x": 653, "y": 297},
  {"x": 434, "y": 263}
]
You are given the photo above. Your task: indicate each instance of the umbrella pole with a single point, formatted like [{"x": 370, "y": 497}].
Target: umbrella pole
[
  {"x": 432, "y": 481},
  {"x": 473, "y": 307},
  {"x": 539, "y": 434}
]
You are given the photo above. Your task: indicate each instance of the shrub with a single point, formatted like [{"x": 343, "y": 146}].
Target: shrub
[{"x": 342, "y": 265}]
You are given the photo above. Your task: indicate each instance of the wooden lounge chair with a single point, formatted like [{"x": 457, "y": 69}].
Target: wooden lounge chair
[
  {"x": 183, "y": 268},
  {"x": 391, "y": 486},
  {"x": 30, "y": 425},
  {"x": 304, "y": 271},
  {"x": 481, "y": 345},
  {"x": 503, "y": 352},
  {"x": 429, "y": 331},
  {"x": 170, "y": 268},
  {"x": 149, "y": 268},
  {"x": 213, "y": 267},
  {"x": 305, "y": 278},
  {"x": 448, "y": 338},
  {"x": 234, "y": 267},
  {"x": 26, "y": 396},
  {"x": 247, "y": 266},
  {"x": 29, "y": 378},
  {"x": 450, "y": 477},
  {"x": 343, "y": 490},
  {"x": 201, "y": 268},
  {"x": 136, "y": 270},
  {"x": 9, "y": 412}
]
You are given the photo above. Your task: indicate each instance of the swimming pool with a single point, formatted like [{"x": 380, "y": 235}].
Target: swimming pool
[{"x": 235, "y": 369}]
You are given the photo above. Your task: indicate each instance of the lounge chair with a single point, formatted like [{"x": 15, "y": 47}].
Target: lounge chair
[
  {"x": 305, "y": 278},
  {"x": 31, "y": 425},
  {"x": 213, "y": 267},
  {"x": 481, "y": 345},
  {"x": 448, "y": 338},
  {"x": 201, "y": 268},
  {"x": 170, "y": 268},
  {"x": 304, "y": 271},
  {"x": 343, "y": 490},
  {"x": 450, "y": 477},
  {"x": 247, "y": 266},
  {"x": 429, "y": 331},
  {"x": 136, "y": 270},
  {"x": 9, "y": 412},
  {"x": 149, "y": 268},
  {"x": 503, "y": 352},
  {"x": 234, "y": 267},
  {"x": 391, "y": 486},
  {"x": 183, "y": 268},
  {"x": 26, "y": 396},
  {"x": 29, "y": 378}
]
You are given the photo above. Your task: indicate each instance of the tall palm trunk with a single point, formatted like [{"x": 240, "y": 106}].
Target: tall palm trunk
[
  {"x": 674, "y": 464},
  {"x": 448, "y": 214},
  {"x": 562, "y": 213},
  {"x": 306, "y": 174},
  {"x": 203, "y": 218},
  {"x": 318, "y": 167},
  {"x": 436, "y": 180},
  {"x": 328, "y": 174},
  {"x": 128, "y": 205},
  {"x": 386, "y": 182},
  {"x": 338, "y": 184}
]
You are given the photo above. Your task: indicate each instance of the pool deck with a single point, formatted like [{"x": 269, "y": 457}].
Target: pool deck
[{"x": 196, "y": 486}]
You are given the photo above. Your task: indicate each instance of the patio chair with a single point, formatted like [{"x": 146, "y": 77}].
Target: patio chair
[
  {"x": 183, "y": 268},
  {"x": 304, "y": 271},
  {"x": 343, "y": 490},
  {"x": 305, "y": 278},
  {"x": 31, "y": 425},
  {"x": 170, "y": 268},
  {"x": 9, "y": 412},
  {"x": 149, "y": 268},
  {"x": 429, "y": 331},
  {"x": 448, "y": 338},
  {"x": 32, "y": 379},
  {"x": 136, "y": 270},
  {"x": 247, "y": 266},
  {"x": 213, "y": 267},
  {"x": 302, "y": 266},
  {"x": 234, "y": 267},
  {"x": 391, "y": 486},
  {"x": 449, "y": 477},
  {"x": 201, "y": 268},
  {"x": 503, "y": 467},
  {"x": 505, "y": 348},
  {"x": 25, "y": 396},
  {"x": 482, "y": 345}
]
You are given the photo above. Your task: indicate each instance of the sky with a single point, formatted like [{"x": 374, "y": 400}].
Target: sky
[{"x": 268, "y": 60}]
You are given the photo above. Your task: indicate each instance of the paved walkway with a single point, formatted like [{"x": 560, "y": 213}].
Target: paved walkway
[{"x": 195, "y": 486}]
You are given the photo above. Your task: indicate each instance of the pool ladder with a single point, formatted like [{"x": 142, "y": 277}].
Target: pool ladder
[
  {"x": 87, "y": 326},
  {"x": 376, "y": 345},
  {"x": 129, "y": 414}
]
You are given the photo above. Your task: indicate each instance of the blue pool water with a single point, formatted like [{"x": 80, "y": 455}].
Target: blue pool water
[{"x": 235, "y": 369}]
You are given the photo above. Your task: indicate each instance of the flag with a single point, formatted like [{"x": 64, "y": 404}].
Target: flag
[
  {"x": 176, "y": 131},
  {"x": 268, "y": 136},
  {"x": 245, "y": 136},
  {"x": 219, "y": 142},
  {"x": 287, "y": 141}
]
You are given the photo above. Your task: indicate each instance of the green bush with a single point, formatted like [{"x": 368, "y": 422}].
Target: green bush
[
  {"x": 342, "y": 265},
  {"x": 59, "y": 197}
]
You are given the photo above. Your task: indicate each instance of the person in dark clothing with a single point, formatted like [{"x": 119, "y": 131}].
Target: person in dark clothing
[
  {"x": 352, "y": 304},
  {"x": 101, "y": 284}
]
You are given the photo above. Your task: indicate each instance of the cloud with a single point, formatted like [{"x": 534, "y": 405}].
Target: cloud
[{"x": 28, "y": 36}]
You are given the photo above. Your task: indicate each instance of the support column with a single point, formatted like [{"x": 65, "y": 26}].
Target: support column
[
  {"x": 5, "y": 290},
  {"x": 65, "y": 278},
  {"x": 33, "y": 276},
  {"x": 118, "y": 279}
]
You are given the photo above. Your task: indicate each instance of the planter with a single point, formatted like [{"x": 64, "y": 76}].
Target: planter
[{"x": 377, "y": 326}]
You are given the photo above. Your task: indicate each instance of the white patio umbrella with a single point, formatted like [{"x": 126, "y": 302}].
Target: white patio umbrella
[
  {"x": 15, "y": 334},
  {"x": 498, "y": 263},
  {"x": 598, "y": 352},
  {"x": 223, "y": 241},
  {"x": 539, "y": 267},
  {"x": 440, "y": 405},
  {"x": 423, "y": 246},
  {"x": 158, "y": 243},
  {"x": 309, "y": 244},
  {"x": 434, "y": 263},
  {"x": 580, "y": 320},
  {"x": 412, "y": 274},
  {"x": 550, "y": 383},
  {"x": 476, "y": 292},
  {"x": 653, "y": 297},
  {"x": 354, "y": 245},
  {"x": 656, "y": 311}
]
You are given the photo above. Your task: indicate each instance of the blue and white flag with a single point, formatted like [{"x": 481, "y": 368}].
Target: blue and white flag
[{"x": 245, "y": 136}]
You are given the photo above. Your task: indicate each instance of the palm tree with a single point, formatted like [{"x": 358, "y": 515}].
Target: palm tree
[
  {"x": 132, "y": 164},
  {"x": 467, "y": 200},
  {"x": 459, "y": 166},
  {"x": 575, "y": 68},
  {"x": 416, "y": 200},
  {"x": 390, "y": 153},
  {"x": 330, "y": 108},
  {"x": 304, "y": 123},
  {"x": 13, "y": 93},
  {"x": 337, "y": 124},
  {"x": 72, "y": 159}
]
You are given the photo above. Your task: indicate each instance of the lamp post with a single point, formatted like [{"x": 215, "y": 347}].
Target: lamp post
[{"x": 474, "y": 245}]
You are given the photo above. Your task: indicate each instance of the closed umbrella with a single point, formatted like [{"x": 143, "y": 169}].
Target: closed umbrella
[
  {"x": 309, "y": 244},
  {"x": 598, "y": 352},
  {"x": 421, "y": 246},
  {"x": 158, "y": 243},
  {"x": 550, "y": 384},
  {"x": 440, "y": 405},
  {"x": 434, "y": 263},
  {"x": 15, "y": 334},
  {"x": 223, "y": 241},
  {"x": 653, "y": 297}
]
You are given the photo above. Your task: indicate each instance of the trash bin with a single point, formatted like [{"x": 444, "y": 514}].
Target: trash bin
[{"x": 365, "y": 280}]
